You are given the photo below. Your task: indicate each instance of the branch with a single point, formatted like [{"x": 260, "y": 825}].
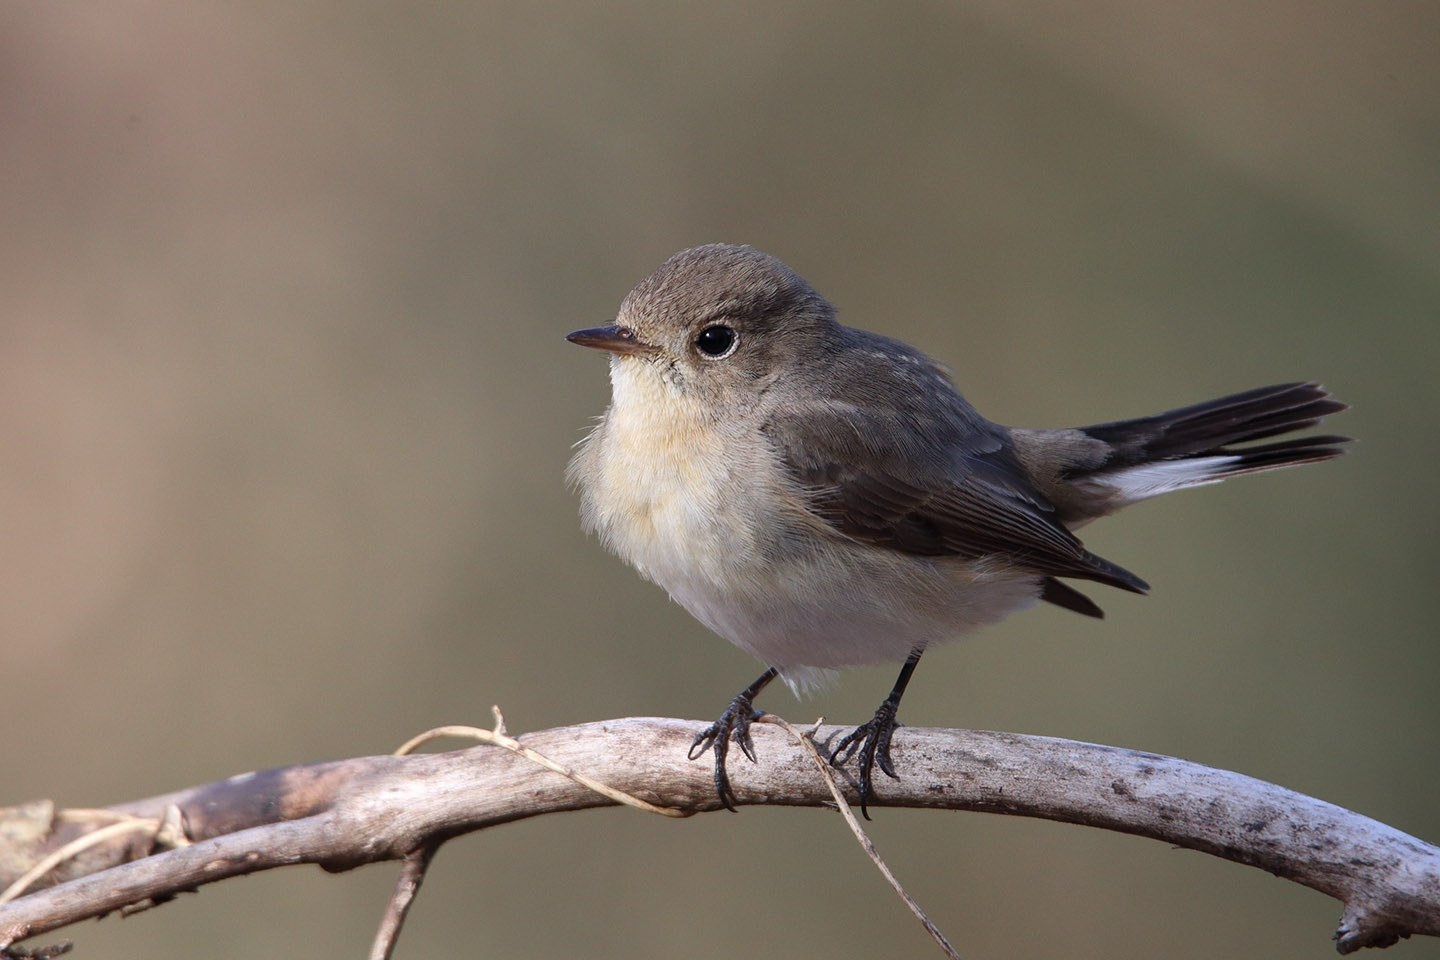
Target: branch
[{"x": 346, "y": 813}]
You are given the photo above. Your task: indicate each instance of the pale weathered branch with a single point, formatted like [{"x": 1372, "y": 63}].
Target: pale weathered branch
[{"x": 346, "y": 813}]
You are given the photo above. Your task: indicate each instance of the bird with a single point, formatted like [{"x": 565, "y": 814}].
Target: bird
[{"x": 824, "y": 497}]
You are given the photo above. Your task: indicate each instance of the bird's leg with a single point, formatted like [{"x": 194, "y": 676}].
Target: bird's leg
[
  {"x": 873, "y": 738},
  {"x": 734, "y": 724}
]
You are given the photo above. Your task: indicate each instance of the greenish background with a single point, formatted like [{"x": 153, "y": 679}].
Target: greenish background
[{"x": 284, "y": 410}]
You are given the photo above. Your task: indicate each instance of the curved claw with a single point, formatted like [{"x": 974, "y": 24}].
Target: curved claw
[
  {"x": 872, "y": 739},
  {"x": 702, "y": 741},
  {"x": 734, "y": 724}
]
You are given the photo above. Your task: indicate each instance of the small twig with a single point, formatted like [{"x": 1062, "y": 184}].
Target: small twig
[
  {"x": 39, "y": 953},
  {"x": 498, "y": 737},
  {"x": 89, "y": 815},
  {"x": 74, "y": 848},
  {"x": 407, "y": 885},
  {"x": 413, "y": 873},
  {"x": 808, "y": 742}
]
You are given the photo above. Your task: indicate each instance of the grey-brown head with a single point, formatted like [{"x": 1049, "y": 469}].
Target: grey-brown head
[{"x": 717, "y": 319}]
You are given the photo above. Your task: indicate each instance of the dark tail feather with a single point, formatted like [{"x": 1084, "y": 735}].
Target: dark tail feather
[
  {"x": 1207, "y": 429},
  {"x": 1268, "y": 456},
  {"x": 1188, "y": 447}
]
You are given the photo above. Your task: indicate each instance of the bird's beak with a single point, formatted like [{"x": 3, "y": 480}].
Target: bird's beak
[{"x": 615, "y": 338}]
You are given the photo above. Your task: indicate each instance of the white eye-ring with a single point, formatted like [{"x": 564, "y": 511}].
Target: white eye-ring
[{"x": 716, "y": 341}]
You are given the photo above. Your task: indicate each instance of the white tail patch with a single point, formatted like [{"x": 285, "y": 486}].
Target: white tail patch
[{"x": 1152, "y": 479}]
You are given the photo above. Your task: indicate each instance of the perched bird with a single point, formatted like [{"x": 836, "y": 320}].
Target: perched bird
[{"x": 823, "y": 497}]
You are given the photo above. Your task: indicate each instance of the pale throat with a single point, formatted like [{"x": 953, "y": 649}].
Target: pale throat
[{"x": 651, "y": 413}]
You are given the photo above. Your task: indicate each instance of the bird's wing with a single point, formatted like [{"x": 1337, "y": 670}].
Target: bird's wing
[{"x": 926, "y": 480}]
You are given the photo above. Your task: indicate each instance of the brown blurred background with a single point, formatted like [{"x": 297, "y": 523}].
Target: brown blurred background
[{"x": 284, "y": 409}]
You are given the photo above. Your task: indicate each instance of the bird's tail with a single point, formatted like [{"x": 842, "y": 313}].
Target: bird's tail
[{"x": 1196, "y": 445}]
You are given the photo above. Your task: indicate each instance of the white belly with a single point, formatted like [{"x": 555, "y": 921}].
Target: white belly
[{"x": 849, "y": 605}]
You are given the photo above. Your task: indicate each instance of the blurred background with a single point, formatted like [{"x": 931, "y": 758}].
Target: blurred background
[{"x": 285, "y": 407}]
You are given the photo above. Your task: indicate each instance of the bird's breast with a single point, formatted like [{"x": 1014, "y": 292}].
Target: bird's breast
[{"x": 670, "y": 490}]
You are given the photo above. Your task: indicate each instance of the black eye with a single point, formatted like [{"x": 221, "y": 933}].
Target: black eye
[{"x": 715, "y": 341}]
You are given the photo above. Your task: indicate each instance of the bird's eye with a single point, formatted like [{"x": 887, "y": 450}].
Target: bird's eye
[{"x": 716, "y": 341}]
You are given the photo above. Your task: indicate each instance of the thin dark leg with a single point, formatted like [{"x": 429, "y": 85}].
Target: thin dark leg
[
  {"x": 734, "y": 724},
  {"x": 873, "y": 738}
]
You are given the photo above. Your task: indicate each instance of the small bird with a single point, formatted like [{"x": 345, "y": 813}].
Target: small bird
[{"x": 823, "y": 497}]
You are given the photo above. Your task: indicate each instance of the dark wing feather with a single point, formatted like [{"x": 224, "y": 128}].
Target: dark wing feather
[
  {"x": 1063, "y": 595},
  {"x": 897, "y": 458}
]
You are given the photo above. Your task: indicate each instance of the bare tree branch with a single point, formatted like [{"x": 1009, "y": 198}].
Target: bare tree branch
[
  {"x": 406, "y": 887},
  {"x": 350, "y": 812}
]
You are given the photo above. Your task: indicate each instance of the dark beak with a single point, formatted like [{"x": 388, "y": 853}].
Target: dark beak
[{"x": 616, "y": 339}]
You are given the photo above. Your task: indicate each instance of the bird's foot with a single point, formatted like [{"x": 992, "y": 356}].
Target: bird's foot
[
  {"x": 734, "y": 724},
  {"x": 872, "y": 739}
]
